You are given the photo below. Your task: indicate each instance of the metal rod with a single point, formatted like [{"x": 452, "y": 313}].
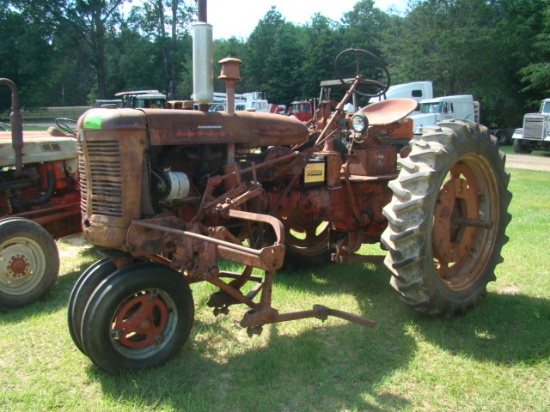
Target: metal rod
[
  {"x": 202, "y": 11},
  {"x": 322, "y": 312},
  {"x": 16, "y": 122},
  {"x": 485, "y": 224},
  {"x": 197, "y": 236}
]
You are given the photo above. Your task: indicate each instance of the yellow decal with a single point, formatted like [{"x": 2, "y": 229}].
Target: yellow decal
[{"x": 314, "y": 173}]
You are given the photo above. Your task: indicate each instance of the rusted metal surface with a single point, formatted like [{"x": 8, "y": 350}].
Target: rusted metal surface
[
  {"x": 388, "y": 111},
  {"x": 458, "y": 220},
  {"x": 144, "y": 316},
  {"x": 202, "y": 11},
  {"x": 186, "y": 241},
  {"x": 372, "y": 161},
  {"x": 114, "y": 166},
  {"x": 247, "y": 183},
  {"x": 172, "y": 127},
  {"x": 457, "y": 204},
  {"x": 146, "y": 237}
]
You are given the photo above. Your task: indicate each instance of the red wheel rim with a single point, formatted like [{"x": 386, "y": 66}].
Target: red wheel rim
[{"x": 141, "y": 321}]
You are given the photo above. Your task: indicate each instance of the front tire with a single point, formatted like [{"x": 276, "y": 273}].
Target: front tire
[
  {"x": 519, "y": 147},
  {"x": 81, "y": 292},
  {"x": 447, "y": 219},
  {"x": 138, "y": 317},
  {"x": 29, "y": 262}
]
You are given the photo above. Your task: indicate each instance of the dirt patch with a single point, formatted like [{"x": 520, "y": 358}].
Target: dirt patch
[{"x": 529, "y": 161}]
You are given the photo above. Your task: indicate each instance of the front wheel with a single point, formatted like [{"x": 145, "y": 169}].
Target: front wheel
[
  {"x": 519, "y": 147},
  {"x": 138, "y": 317},
  {"x": 29, "y": 262},
  {"x": 81, "y": 292},
  {"x": 447, "y": 219}
]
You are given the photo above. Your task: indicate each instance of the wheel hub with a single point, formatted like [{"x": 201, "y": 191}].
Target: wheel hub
[
  {"x": 453, "y": 241},
  {"x": 141, "y": 321},
  {"x": 18, "y": 264}
]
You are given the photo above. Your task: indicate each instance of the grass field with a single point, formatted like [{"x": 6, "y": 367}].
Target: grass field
[{"x": 494, "y": 358}]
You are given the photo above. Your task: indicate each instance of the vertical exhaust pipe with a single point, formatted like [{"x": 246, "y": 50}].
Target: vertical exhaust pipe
[
  {"x": 203, "y": 56},
  {"x": 202, "y": 11},
  {"x": 16, "y": 122}
]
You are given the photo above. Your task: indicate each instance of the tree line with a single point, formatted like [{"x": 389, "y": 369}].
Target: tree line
[{"x": 69, "y": 52}]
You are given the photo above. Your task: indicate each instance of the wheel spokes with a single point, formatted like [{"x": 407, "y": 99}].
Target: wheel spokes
[
  {"x": 141, "y": 321},
  {"x": 458, "y": 220}
]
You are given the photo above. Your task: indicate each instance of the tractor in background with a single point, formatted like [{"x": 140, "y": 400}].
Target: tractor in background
[{"x": 40, "y": 202}]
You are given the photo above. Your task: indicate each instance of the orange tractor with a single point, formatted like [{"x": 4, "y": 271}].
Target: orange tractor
[{"x": 167, "y": 194}]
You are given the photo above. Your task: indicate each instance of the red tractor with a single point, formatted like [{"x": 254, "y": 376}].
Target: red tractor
[
  {"x": 40, "y": 201},
  {"x": 168, "y": 193}
]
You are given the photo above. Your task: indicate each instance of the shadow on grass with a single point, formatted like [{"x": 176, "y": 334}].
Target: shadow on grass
[
  {"x": 503, "y": 329},
  {"x": 326, "y": 368}
]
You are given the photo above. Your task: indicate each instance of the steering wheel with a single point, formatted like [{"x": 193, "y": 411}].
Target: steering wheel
[
  {"x": 373, "y": 72},
  {"x": 62, "y": 123}
]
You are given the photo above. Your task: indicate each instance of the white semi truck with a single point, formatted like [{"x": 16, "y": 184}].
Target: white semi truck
[
  {"x": 414, "y": 90},
  {"x": 433, "y": 111},
  {"x": 535, "y": 134}
]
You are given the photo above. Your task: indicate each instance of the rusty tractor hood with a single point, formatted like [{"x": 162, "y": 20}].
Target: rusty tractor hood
[{"x": 192, "y": 127}]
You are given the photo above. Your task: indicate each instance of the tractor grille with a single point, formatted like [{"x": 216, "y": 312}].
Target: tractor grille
[
  {"x": 100, "y": 178},
  {"x": 533, "y": 127}
]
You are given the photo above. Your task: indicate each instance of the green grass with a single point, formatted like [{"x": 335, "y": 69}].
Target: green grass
[{"x": 494, "y": 358}]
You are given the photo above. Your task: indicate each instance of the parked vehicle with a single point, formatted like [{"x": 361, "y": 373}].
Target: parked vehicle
[
  {"x": 433, "y": 111},
  {"x": 40, "y": 202},
  {"x": 111, "y": 103},
  {"x": 302, "y": 109},
  {"x": 252, "y": 101},
  {"x": 169, "y": 194},
  {"x": 535, "y": 134},
  {"x": 418, "y": 91},
  {"x": 142, "y": 99}
]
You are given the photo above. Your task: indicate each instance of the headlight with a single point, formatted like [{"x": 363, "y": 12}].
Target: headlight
[{"x": 359, "y": 122}]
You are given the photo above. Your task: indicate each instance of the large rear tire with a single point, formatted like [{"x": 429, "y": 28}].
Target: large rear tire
[
  {"x": 138, "y": 317},
  {"x": 307, "y": 245},
  {"x": 447, "y": 219},
  {"x": 29, "y": 262}
]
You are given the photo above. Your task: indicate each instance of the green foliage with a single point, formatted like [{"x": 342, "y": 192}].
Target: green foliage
[
  {"x": 228, "y": 48},
  {"x": 21, "y": 43},
  {"x": 498, "y": 50},
  {"x": 285, "y": 59},
  {"x": 256, "y": 71},
  {"x": 537, "y": 74},
  {"x": 364, "y": 25},
  {"x": 323, "y": 40}
]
